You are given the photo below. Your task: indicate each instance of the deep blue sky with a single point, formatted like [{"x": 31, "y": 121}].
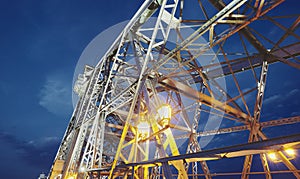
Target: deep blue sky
[{"x": 41, "y": 42}]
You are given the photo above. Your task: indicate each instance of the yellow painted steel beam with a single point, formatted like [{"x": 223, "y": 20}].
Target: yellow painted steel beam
[
  {"x": 170, "y": 141},
  {"x": 207, "y": 100}
]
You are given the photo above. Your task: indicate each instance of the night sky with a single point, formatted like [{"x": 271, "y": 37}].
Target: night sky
[{"x": 41, "y": 42}]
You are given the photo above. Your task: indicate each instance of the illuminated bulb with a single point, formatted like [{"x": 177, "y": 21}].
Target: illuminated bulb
[
  {"x": 272, "y": 156},
  {"x": 143, "y": 129},
  {"x": 290, "y": 152},
  {"x": 164, "y": 113}
]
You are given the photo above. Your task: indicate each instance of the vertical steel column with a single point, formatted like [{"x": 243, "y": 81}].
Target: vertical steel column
[{"x": 255, "y": 126}]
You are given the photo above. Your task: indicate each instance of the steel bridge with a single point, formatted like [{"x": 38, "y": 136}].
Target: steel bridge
[{"x": 179, "y": 94}]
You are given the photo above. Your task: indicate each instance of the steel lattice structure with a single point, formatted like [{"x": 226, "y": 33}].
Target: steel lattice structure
[{"x": 155, "y": 63}]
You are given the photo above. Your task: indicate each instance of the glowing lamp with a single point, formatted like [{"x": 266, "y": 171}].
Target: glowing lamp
[
  {"x": 164, "y": 114},
  {"x": 143, "y": 126},
  {"x": 272, "y": 156},
  {"x": 143, "y": 129},
  {"x": 290, "y": 152}
]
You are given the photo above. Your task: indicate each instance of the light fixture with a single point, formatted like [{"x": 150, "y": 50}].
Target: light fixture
[
  {"x": 272, "y": 156},
  {"x": 290, "y": 152},
  {"x": 143, "y": 126},
  {"x": 164, "y": 114}
]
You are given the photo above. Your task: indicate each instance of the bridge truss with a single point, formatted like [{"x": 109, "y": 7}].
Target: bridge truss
[{"x": 180, "y": 93}]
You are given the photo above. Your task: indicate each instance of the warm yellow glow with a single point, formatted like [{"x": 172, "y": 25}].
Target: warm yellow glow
[
  {"x": 164, "y": 114},
  {"x": 71, "y": 176},
  {"x": 272, "y": 156},
  {"x": 143, "y": 126},
  {"x": 143, "y": 129},
  {"x": 290, "y": 152}
]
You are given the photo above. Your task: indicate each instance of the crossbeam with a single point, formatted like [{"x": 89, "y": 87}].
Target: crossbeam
[
  {"x": 201, "y": 97},
  {"x": 226, "y": 152}
]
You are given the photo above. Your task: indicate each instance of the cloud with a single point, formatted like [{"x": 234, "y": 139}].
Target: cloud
[
  {"x": 55, "y": 95},
  {"x": 35, "y": 153},
  {"x": 272, "y": 99},
  {"x": 293, "y": 92},
  {"x": 277, "y": 97},
  {"x": 296, "y": 113}
]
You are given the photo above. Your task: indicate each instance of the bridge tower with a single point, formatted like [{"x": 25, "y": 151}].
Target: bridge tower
[{"x": 180, "y": 93}]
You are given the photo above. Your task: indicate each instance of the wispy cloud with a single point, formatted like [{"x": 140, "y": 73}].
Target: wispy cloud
[
  {"x": 272, "y": 99},
  {"x": 35, "y": 153},
  {"x": 286, "y": 104},
  {"x": 55, "y": 95},
  {"x": 293, "y": 92},
  {"x": 280, "y": 97},
  {"x": 296, "y": 113}
]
